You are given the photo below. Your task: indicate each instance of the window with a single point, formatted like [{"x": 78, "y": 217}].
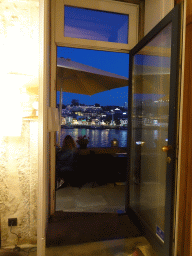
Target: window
[
  {"x": 96, "y": 25},
  {"x": 101, "y": 25}
]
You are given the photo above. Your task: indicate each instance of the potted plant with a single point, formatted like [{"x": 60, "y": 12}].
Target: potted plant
[{"x": 83, "y": 141}]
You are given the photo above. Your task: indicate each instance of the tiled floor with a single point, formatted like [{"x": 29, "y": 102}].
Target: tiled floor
[{"x": 107, "y": 198}]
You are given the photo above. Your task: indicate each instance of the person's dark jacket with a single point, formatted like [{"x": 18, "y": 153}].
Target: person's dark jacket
[{"x": 66, "y": 160}]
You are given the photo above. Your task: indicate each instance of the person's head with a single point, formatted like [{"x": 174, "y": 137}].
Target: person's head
[{"x": 68, "y": 143}]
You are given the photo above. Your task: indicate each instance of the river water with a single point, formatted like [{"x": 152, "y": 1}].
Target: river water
[
  {"x": 103, "y": 138},
  {"x": 97, "y": 138}
]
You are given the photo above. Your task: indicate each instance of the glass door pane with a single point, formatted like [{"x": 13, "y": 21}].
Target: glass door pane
[
  {"x": 153, "y": 130},
  {"x": 150, "y": 115}
]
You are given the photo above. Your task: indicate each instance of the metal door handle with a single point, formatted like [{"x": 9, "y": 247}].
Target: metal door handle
[{"x": 166, "y": 148}]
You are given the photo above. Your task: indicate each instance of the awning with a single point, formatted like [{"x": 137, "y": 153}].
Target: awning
[{"x": 78, "y": 78}]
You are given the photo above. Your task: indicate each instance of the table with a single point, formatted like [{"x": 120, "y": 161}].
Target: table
[{"x": 102, "y": 165}]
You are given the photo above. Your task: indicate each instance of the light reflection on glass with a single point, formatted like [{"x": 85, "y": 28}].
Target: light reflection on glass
[{"x": 151, "y": 88}]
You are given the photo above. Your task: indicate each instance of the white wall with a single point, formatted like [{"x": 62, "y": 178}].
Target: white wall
[
  {"x": 155, "y": 11},
  {"x": 19, "y": 85}
]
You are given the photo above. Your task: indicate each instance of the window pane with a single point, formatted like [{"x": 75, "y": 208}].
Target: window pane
[
  {"x": 95, "y": 25},
  {"x": 150, "y": 111}
]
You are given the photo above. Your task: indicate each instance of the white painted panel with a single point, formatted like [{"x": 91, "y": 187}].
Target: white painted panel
[
  {"x": 53, "y": 119},
  {"x": 155, "y": 11}
]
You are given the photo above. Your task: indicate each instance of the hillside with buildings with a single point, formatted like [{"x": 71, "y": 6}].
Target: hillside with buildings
[{"x": 94, "y": 116}]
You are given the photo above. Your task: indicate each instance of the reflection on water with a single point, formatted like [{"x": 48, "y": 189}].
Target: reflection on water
[
  {"x": 155, "y": 134},
  {"x": 103, "y": 138},
  {"x": 97, "y": 138}
]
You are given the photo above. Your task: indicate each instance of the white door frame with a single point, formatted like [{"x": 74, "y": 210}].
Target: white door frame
[
  {"x": 56, "y": 30},
  {"x": 43, "y": 174}
]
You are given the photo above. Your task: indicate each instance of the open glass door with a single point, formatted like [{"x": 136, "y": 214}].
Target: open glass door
[{"x": 153, "y": 104}]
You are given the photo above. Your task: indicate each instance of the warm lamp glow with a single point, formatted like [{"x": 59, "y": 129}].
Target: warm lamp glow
[
  {"x": 25, "y": 63},
  {"x": 10, "y": 107},
  {"x": 35, "y": 105},
  {"x": 114, "y": 143},
  {"x": 14, "y": 104},
  {"x": 19, "y": 66}
]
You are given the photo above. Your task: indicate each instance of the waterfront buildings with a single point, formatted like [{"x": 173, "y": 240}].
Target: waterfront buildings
[{"x": 92, "y": 115}]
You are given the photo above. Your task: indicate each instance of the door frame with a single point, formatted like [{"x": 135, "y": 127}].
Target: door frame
[
  {"x": 184, "y": 212},
  {"x": 173, "y": 17},
  {"x": 44, "y": 82},
  {"x": 52, "y": 92}
]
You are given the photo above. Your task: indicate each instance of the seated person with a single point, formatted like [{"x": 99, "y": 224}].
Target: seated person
[{"x": 66, "y": 161}]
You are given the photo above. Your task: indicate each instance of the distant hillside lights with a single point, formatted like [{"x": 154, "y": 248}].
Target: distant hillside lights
[
  {"x": 124, "y": 122},
  {"x": 93, "y": 116}
]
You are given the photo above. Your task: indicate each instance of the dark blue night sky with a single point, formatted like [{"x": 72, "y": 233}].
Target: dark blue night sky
[
  {"x": 96, "y": 25},
  {"x": 113, "y": 62}
]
